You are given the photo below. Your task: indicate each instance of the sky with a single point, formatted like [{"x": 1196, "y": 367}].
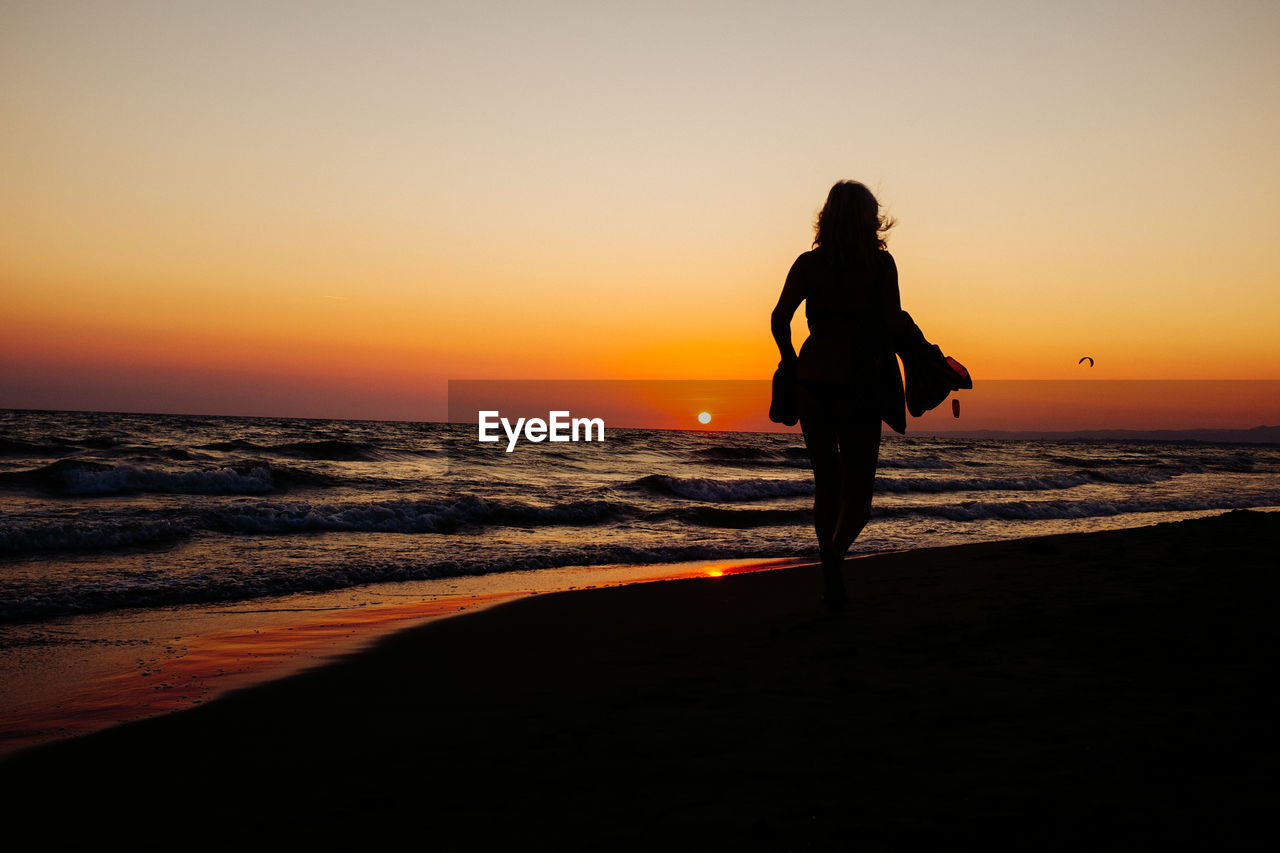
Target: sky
[{"x": 328, "y": 209}]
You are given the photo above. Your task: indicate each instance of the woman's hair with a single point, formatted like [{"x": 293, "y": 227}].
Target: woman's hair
[{"x": 850, "y": 224}]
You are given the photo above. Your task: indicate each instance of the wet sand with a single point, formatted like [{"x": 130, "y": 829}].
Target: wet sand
[
  {"x": 1094, "y": 691},
  {"x": 72, "y": 676}
]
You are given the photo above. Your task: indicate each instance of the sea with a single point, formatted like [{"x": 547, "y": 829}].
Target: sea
[{"x": 103, "y": 512}]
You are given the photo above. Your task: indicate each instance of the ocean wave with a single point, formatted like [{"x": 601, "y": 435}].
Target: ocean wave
[
  {"x": 164, "y": 590},
  {"x": 93, "y": 442},
  {"x": 18, "y": 447},
  {"x": 330, "y": 449},
  {"x": 180, "y": 454},
  {"x": 1137, "y": 477},
  {"x": 751, "y": 457},
  {"x": 798, "y": 457},
  {"x": 1240, "y": 462},
  {"x": 114, "y": 529},
  {"x": 232, "y": 444},
  {"x": 733, "y": 519},
  {"x": 124, "y": 479},
  {"x": 1099, "y": 461},
  {"x": 1045, "y": 482},
  {"x": 322, "y": 450},
  {"x": 407, "y": 516},
  {"x": 335, "y": 450},
  {"x": 773, "y": 462},
  {"x": 750, "y": 489},
  {"x": 1171, "y": 463},
  {"x": 85, "y": 478},
  {"x": 1059, "y": 510},
  {"x": 928, "y": 463},
  {"x": 86, "y": 535},
  {"x": 730, "y": 453},
  {"x": 711, "y": 490}
]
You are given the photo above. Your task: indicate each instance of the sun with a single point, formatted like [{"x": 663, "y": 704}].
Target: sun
[{"x": 704, "y": 417}]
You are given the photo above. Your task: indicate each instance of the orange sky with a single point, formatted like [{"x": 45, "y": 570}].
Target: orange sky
[
  {"x": 999, "y": 404},
  {"x": 323, "y": 209}
]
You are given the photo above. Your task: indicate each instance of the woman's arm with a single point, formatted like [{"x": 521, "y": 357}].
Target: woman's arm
[{"x": 780, "y": 320}]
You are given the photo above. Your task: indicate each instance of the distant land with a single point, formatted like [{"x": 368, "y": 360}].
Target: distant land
[{"x": 1254, "y": 435}]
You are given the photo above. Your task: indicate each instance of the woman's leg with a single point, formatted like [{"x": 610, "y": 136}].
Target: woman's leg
[
  {"x": 858, "y": 436},
  {"x": 819, "y": 428},
  {"x": 822, "y": 440}
]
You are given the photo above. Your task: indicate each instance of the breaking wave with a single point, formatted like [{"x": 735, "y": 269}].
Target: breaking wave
[
  {"x": 704, "y": 489},
  {"x": 87, "y": 478}
]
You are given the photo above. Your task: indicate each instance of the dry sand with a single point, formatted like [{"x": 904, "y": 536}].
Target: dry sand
[{"x": 1095, "y": 691}]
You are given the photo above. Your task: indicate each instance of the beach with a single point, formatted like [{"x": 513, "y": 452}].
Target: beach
[
  {"x": 1101, "y": 690},
  {"x": 393, "y": 453}
]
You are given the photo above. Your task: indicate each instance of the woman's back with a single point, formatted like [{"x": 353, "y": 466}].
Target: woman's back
[
  {"x": 839, "y": 295},
  {"x": 847, "y": 307}
]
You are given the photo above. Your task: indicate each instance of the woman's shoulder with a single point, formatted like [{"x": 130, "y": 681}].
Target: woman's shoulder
[
  {"x": 803, "y": 267},
  {"x": 888, "y": 265},
  {"x": 811, "y": 263}
]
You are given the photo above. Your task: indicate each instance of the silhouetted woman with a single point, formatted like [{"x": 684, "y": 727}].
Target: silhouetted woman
[{"x": 849, "y": 284}]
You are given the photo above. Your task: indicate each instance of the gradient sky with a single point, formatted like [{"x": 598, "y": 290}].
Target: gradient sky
[{"x": 330, "y": 209}]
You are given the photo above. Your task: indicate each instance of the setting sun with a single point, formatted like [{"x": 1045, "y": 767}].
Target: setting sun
[{"x": 704, "y": 417}]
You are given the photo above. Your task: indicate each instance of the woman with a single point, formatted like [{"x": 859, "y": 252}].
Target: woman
[{"x": 849, "y": 284}]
